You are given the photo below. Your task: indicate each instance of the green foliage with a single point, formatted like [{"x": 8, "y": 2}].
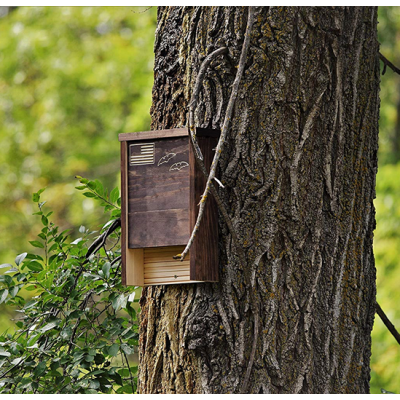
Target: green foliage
[
  {"x": 78, "y": 331},
  {"x": 71, "y": 79}
]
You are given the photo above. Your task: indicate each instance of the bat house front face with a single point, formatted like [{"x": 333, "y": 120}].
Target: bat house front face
[{"x": 161, "y": 188}]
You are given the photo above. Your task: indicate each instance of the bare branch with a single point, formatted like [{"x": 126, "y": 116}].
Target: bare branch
[
  {"x": 387, "y": 63},
  {"x": 195, "y": 97},
  {"x": 199, "y": 156},
  {"x": 387, "y": 323},
  {"x": 101, "y": 240},
  {"x": 225, "y": 128}
]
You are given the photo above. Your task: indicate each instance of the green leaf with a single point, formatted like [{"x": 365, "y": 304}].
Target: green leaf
[
  {"x": 125, "y": 389},
  {"x": 17, "y": 360},
  {"x": 20, "y": 258},
  {"x": 80, "y": 187},
  {"x": 49, "y": 326},
  {"x": 116, "y": 214},
  {"x": 45, "y": 221},
  {"x": 13, "y": 291},
  {"x": 35, "y": 197},
  {"x": 34, "y": 266},
  {"x": 99, "y": 187},
  {"x": 114, "y": 195},
  {"x": 127, "y": 349},
  {"x": 89, "y": 194},
  {"x": 106, "y": 270},
  {"x": 92, "y": 185},
  {"x": 41, "y": 367},
  {"x": 7, "y": 279},
  {"x": 119, "y": 302},
  {"x": 124, "y": 372},
  {"x": 35, "y": 243},
  {"x": 94, "y": 384},
  {"x": 113, "y": 350},
  {"x": 3, "y": 295}
]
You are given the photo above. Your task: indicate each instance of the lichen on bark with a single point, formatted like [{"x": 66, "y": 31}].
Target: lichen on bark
[{"x": 299, "y": 172}]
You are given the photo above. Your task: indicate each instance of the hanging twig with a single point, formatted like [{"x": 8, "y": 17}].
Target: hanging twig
[
  {"x": 387, "y": 323},
  {"x": 387, "y": 63},
  {"x": 199, "y": 156},
  {"x": 195, "y": 97},
  {"x": 224, "y": 131}
]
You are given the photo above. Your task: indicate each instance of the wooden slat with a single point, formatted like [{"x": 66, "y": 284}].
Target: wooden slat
[
  {"x": 166, "y": 133},
  {"x": 171, "y": 275},
  {"x": 162, "y": 253},
  {"x": 170, "y": 272},
  {"x": 162, "y": 281},
  {"x": 167, "y": 265},
  {"x": 162, "y": 264},
  {"x": 169, "y": 259}
]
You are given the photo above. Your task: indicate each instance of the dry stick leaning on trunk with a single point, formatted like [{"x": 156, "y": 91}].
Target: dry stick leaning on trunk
[
  {"x": 225, "y": 127},
  {"x": 199, "y": 156}
]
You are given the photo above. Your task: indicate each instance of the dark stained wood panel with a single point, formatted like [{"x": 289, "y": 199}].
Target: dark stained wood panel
[
  {"x": 158, "y": 228},
  {"x": 159, "y": 196},
  {"x": 204, "y": 251},
  {"x": 159, "y": 193}
]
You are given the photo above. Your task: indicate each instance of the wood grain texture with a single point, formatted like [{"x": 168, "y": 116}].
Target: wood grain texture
[
  {"x": 166, "y": 133},
  {"x": 204, "y": 251},
  {"x": 134, "y": 267},
  {"x": 165, "y": 270},
  {"x": 159, "y": 196},
  {"x": 158, "y": 228}
]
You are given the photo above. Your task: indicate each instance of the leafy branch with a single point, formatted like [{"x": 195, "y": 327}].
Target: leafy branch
[{"x": 78, "y": 325}]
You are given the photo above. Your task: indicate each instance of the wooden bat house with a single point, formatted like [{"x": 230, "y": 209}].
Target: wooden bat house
[{"x": 161, "y": 187}]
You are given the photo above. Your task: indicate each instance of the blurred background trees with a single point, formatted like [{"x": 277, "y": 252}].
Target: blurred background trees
[{"x": 72, "y": 78}]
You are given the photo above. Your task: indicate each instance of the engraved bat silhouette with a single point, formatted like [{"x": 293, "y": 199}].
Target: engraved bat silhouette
[
  {"x": 166, "y": 158},
  {"x": 178, "y": 166}
]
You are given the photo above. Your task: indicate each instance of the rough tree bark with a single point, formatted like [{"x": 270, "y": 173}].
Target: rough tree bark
[{"x": 299, "y": 172}]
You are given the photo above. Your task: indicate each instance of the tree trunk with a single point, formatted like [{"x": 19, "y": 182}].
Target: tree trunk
[{"x": 299, "y": 172}]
